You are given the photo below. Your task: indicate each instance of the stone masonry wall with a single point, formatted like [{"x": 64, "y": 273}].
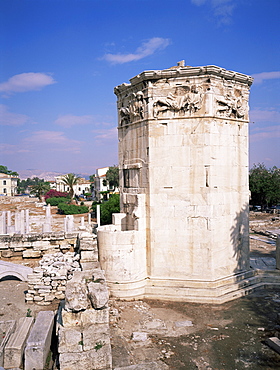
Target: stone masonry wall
[
  {"x": 35, "y": 246},
  {"x": 48, "y": 280}
]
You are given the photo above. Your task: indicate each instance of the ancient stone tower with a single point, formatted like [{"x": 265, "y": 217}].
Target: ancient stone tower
[{"x": 183, "y": 159}]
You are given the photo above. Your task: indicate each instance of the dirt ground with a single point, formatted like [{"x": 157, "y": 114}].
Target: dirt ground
[{"x": 176, "y": 335}]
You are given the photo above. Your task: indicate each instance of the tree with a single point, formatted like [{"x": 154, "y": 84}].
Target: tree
[
  {"x": 108, "y": 208},
  {"x": 24, "y": 184},
  {"x": 4, "y": 169},
  {"x": 264, "y": 185},
  {"x": 112, "y": 176},
  {"x": 70, "y": 180},
  {"x": 40, "y": 188},
  {"x": 92, "y": 178}
]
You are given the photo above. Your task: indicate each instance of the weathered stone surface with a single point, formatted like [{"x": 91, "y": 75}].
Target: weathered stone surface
[
  {"x": 8, "y": 328},
  {"x": 98, "y": 294},
  {"x": 95, "y": 336},
  {"x": 76, "y": 293},
  {"x": 97, "y": 359},
  {"x": 70, "y": 340},
  {"x": 15, "y": 347},
  {"x": 39, "y": 341},
  {"x": 88, "y": 256},
  {"x": 92, "y": 316}
]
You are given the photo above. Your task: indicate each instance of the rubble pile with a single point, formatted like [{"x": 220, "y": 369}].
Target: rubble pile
[{"x": 48, "y": 281}]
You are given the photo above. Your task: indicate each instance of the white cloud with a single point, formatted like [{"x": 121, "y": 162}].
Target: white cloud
[
  {"x": 69, "y": 120},
  {"x": 104, "y": 135},
  {"x": 8, "y": 148},
  {"x": 26, "y": 82},
  {"x": 146, "y": 49},
  {"x": 258, "y": 115},
  {"x": 222, "y": 9},
  {"x": 11, "y": 119},
  {"x": 54, "y": 140},
  {"x": 260, "y": 77},
  {"x": 271, "y": 132}
]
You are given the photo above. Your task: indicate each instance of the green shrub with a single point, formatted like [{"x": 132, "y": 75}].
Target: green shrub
[
  {"x": 109, "y": 207},
  {"x": 71, "y": 209},
  {"x": 56, "y": 201}
]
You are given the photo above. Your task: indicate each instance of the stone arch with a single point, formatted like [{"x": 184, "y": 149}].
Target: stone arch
[{"x": 12, "y": 273}]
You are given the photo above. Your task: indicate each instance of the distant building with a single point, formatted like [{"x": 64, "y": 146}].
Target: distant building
[
  {"x": 82, "y": 187},
  {"x": 8, "y": 184},
  {"x": 102, "y": 189}
]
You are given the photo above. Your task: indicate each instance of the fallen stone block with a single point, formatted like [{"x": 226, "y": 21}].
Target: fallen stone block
[
  {"x": 95, "y": 336},
  {"x": 6, "y": 329},
  {"x": 98, "y": 294},
  {"x": 88, "y": 256},
  {"x": 76, "y": 293},
  {"x": 274, "y": 343},
  {"x": 139, "y": 336},
  {"x": 70, "y": 340},
  {"x": 39, "y": 341},
  {"x": 97, "y": 359},
  {"x": 14, "y": 349}
]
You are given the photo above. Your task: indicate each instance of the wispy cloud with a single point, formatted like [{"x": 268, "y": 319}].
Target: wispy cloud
[
  {"x": 258, "y": 115},
  {"x": 26, "y": 82},
  {"x": 147, "y": 48},
  {"x": 105, "y": 135},
  {"x": 12, "y": 119},
  {"x": 270, "y": 132},
  {"x": 260, "y": 77},
  {"x": 70, "y": 120},
  {"x": 8, "y": 148},
  {"x": 222, "y": 9},
  {"x": 55, "y": 140}
]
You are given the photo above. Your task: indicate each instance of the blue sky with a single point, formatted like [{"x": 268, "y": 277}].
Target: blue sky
[{"x": 61, "y": 59}]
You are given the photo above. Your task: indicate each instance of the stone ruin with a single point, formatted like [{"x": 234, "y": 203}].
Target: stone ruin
[{"x": 183, "y": 230}]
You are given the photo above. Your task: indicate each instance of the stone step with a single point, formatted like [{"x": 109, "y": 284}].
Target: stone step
[
  {"x": 39, "y": 341},
  {"x": 14, "y": 349}
]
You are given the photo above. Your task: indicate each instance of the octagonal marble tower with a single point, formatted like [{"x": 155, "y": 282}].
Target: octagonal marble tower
[{"x": 183, "y": 159}]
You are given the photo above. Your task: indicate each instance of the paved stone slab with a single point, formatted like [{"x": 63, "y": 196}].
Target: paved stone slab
[
  {"x": 6, "y": 329},
  {"x": 39, "y": 341},
  {"x": 263, "y": 263},
  {"x": 15, "y": 347},
  {"x": 274, "y": 343}
]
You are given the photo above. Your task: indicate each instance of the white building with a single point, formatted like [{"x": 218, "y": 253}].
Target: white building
[
  {"x": 8, "y": 184},
  {"x": 183, "y": 230},
  {"x": 83, "y": 186},
  {"x": 101, "y": 186}
]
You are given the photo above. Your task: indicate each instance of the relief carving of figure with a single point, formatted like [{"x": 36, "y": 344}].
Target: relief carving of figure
[
  {"x": 231, "y": 106},
  {"x": 133, "y": 109},
  {"x": 190, "y": 102},
  {"x": 137, "y": 106},
  {"x": 165, "y": 104}
]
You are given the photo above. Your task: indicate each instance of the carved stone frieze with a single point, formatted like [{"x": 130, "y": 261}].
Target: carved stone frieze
[
  {"x": 232, "y": 103},
  {"x": 183, "y": 100},
  {"x": 132, "y": 108},
  {"x": 184, "y": 92}
]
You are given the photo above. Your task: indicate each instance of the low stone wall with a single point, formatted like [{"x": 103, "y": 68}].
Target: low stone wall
[
  {"x": 83, "y": 323},
  {"x": 36, "y": 245},
  {"x": 48, "y": 281}
]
